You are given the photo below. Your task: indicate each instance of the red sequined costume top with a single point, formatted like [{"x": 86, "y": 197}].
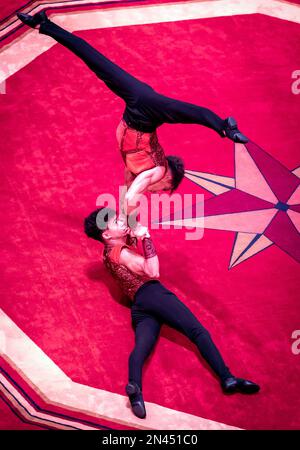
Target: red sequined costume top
[
  {"x": 128, "y": 281},
  {"x": 140, "y": 151}
]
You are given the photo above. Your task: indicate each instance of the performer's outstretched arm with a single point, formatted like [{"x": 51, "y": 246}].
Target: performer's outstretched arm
[
  {"x": 140, "y": 185},
  {"x": 128, "y": 178}
]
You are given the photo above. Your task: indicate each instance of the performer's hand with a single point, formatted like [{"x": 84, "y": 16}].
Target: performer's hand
[
  {"x": 122, "y": 216},
  {"x": 140, "y": 232}
]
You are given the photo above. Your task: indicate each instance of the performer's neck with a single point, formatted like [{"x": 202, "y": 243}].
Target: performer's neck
[{"x": 114, "y": 242}]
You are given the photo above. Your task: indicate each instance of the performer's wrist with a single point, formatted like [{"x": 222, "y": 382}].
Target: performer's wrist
[{"x": 148, "y": 247}]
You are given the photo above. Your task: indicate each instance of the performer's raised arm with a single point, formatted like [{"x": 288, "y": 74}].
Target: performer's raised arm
[{"x": 140, "y": 185}]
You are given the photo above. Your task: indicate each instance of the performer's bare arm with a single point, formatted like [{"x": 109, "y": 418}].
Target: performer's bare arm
[
  {"x": 132, "y": 219},
  {"x": 128, "y": 177},
  {"x": 140, "y": 185},
  {"x": 142, "y": 265}
]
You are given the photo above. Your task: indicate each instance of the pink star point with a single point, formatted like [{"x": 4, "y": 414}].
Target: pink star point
[{"x": 261, "y": 203}]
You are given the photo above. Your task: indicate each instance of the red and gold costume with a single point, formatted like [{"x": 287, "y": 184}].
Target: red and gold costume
[
  {"x": 128, "y": 281},
  {"x": 140, "y": 151}
]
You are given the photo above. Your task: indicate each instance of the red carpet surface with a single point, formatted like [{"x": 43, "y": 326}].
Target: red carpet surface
[{"x": 59, "y": 153}]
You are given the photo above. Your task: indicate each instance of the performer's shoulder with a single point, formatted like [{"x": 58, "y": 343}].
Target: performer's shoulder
[{"x": 115, "y": 253}]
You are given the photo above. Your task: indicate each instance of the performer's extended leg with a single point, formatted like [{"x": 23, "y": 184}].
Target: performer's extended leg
[
  {"x": 118, "y": 80},
  {"x": 147, "y": 330},
  {"x": 146, "y": 333},
  {"x": 167, "y": 308},
  {"x": 145, "y": 108}
]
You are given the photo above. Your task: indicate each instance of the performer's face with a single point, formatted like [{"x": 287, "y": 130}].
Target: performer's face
[{"x": 117, "y": 227}]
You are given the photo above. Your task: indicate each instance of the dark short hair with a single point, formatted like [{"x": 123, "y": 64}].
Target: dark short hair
[
  {"x": 95, "y": 224},
  {"x": 176, "y": 166}
]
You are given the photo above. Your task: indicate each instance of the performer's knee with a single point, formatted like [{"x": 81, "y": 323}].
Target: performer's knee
[{"x": 198, "y": 331}]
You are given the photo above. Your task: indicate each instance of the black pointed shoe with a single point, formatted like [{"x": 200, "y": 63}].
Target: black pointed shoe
[
  {"x": 33, "y": 21},
  {"x": 136, "y": 400},
  {"x": 232, "y": 384},
  {"x": 232, "y": 131}
]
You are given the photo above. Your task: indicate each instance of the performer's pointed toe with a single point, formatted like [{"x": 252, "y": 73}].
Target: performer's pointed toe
[
  {"x": 232, "y": 131},
  {"x": 232, "y": 384},
  {"x": 33, "y": 21},
  {"x": 247, "y": 387},
  {"x": 136, "y": 400},
  {"x": 241, "y": 138}
]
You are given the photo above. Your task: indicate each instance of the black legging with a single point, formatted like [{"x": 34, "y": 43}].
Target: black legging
[
  {"x": 154, "y": 305},
  {"x": 145, "y": 108}
]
